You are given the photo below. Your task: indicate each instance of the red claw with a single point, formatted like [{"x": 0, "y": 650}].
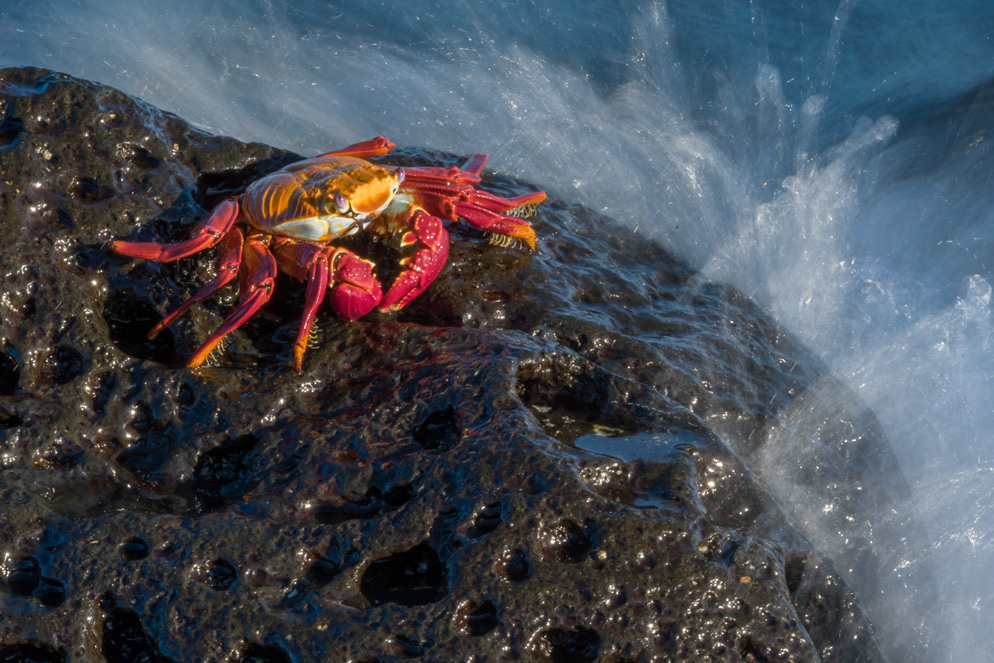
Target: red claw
[
  {"x": 348, "y": 279},
  {"x": 357, "y": 291},
  {"x": 421, "y": 268},
  {"x": 367, "y": 148}
]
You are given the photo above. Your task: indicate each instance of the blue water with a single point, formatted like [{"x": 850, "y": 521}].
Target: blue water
[{"x": 831, "y": 159}]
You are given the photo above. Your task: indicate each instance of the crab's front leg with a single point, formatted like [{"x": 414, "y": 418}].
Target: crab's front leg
[
  {"x": 424, "y": 232},
  {"x": 206, "y": 234},
  {"x": 257, "y": 272},
  {"x": 229, "y": 258},
  {"x": 354, "y": 291}
]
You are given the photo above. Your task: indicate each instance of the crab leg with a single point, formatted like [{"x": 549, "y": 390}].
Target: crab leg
[
  {"x": 207, "y": 233},
  {"x": 450, "y": 177},
  {"x": 421, "y": 268},
  {"x": 445, "y": 193},
  {"x": 354, "y": 290},
  {"x": 229, "y": 257},
  {"x": 494, "y": 222},
  {"x": 376, "y": 147},
  {"x": 259, "y": 270}
]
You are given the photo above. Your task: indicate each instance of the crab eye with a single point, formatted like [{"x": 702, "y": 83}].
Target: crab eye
[
  {"x": 341, "y": 204},
  {"x": 400, "y": 175}
]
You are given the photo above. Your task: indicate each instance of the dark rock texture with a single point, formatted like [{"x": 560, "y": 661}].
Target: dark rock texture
[{"x": 531, "y": 462}]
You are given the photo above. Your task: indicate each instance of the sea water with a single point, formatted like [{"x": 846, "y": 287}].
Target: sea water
[{"x": 832, "y": 159}]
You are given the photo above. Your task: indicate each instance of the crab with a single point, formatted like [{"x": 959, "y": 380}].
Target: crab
[{"x": 291, "y": 221}]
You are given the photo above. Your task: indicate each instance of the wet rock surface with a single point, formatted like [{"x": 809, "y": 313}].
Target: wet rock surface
[{"x": 546, "y": 457}]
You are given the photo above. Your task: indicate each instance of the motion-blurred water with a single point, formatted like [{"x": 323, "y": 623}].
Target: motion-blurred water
[{"x": 831, "y": 159}]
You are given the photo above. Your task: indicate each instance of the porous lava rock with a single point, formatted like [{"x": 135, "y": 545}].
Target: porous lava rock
[{"x": 546, "y": 457}]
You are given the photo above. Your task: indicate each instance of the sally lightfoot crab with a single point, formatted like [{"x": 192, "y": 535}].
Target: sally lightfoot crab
[{"x": 290, "y": 220}]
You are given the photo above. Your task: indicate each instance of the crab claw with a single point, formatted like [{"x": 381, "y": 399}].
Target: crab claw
[
  {"x": 376, "y": 147},
  {"x": 346, "y": 278},
  {"x": 421, "y": 268},
  {"x": 355, "y": 290}
]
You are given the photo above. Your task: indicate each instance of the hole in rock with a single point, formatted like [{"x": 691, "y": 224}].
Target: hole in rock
[
  {"x": 485, "y": 521},
  {"x": 23, "y": 575},
  {"x": 10, "y": 129},
  {"x": 374, "y": 503},
  {"x": 63, "y": 365},
  {"x": 256, "y": 653},
  {"x": 133, "y": 549},
  {"x": 29, "y": 306},
  {"x": 10, "y": 373},
  {"x": 137, "y": 156},
  {"x": 9, "y": 419},
  {"x": 438, "y": 430},
  {"x": 293, "y": 595},
  {"x": 475, "y": 618},
  {"x": 123, "y": 637},
  {"x": 561, "y": 645},
  {"x": 410, "y": 578},
  {"x": 406, "y": 646},
  {"x": 88, "y": 190},
  {"x": 753, "y": 650},
  {"x": 564, "y": 541},
  {"x": 51, "y": 593},
  {"x": 514, "y": 565},
  {"x": 565, "y": 382},
  {"x": 224, "y": 474},
  {"x": 323, "y": 570},
  {"x": 157, "y": 438},
  {"x": 129, "y": 319},
  {"x": 24, "y": 578},
  {"x": 221, "y": 575},
  {"x": 571, "y": 398},
  {"x": 32, "y": 652}
]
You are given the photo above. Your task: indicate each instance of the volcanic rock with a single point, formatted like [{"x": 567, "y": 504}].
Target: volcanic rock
[{"x": 546, "y": 457}]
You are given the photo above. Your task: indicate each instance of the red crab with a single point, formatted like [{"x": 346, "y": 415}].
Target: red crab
[{"x": 290, "y": 220}]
